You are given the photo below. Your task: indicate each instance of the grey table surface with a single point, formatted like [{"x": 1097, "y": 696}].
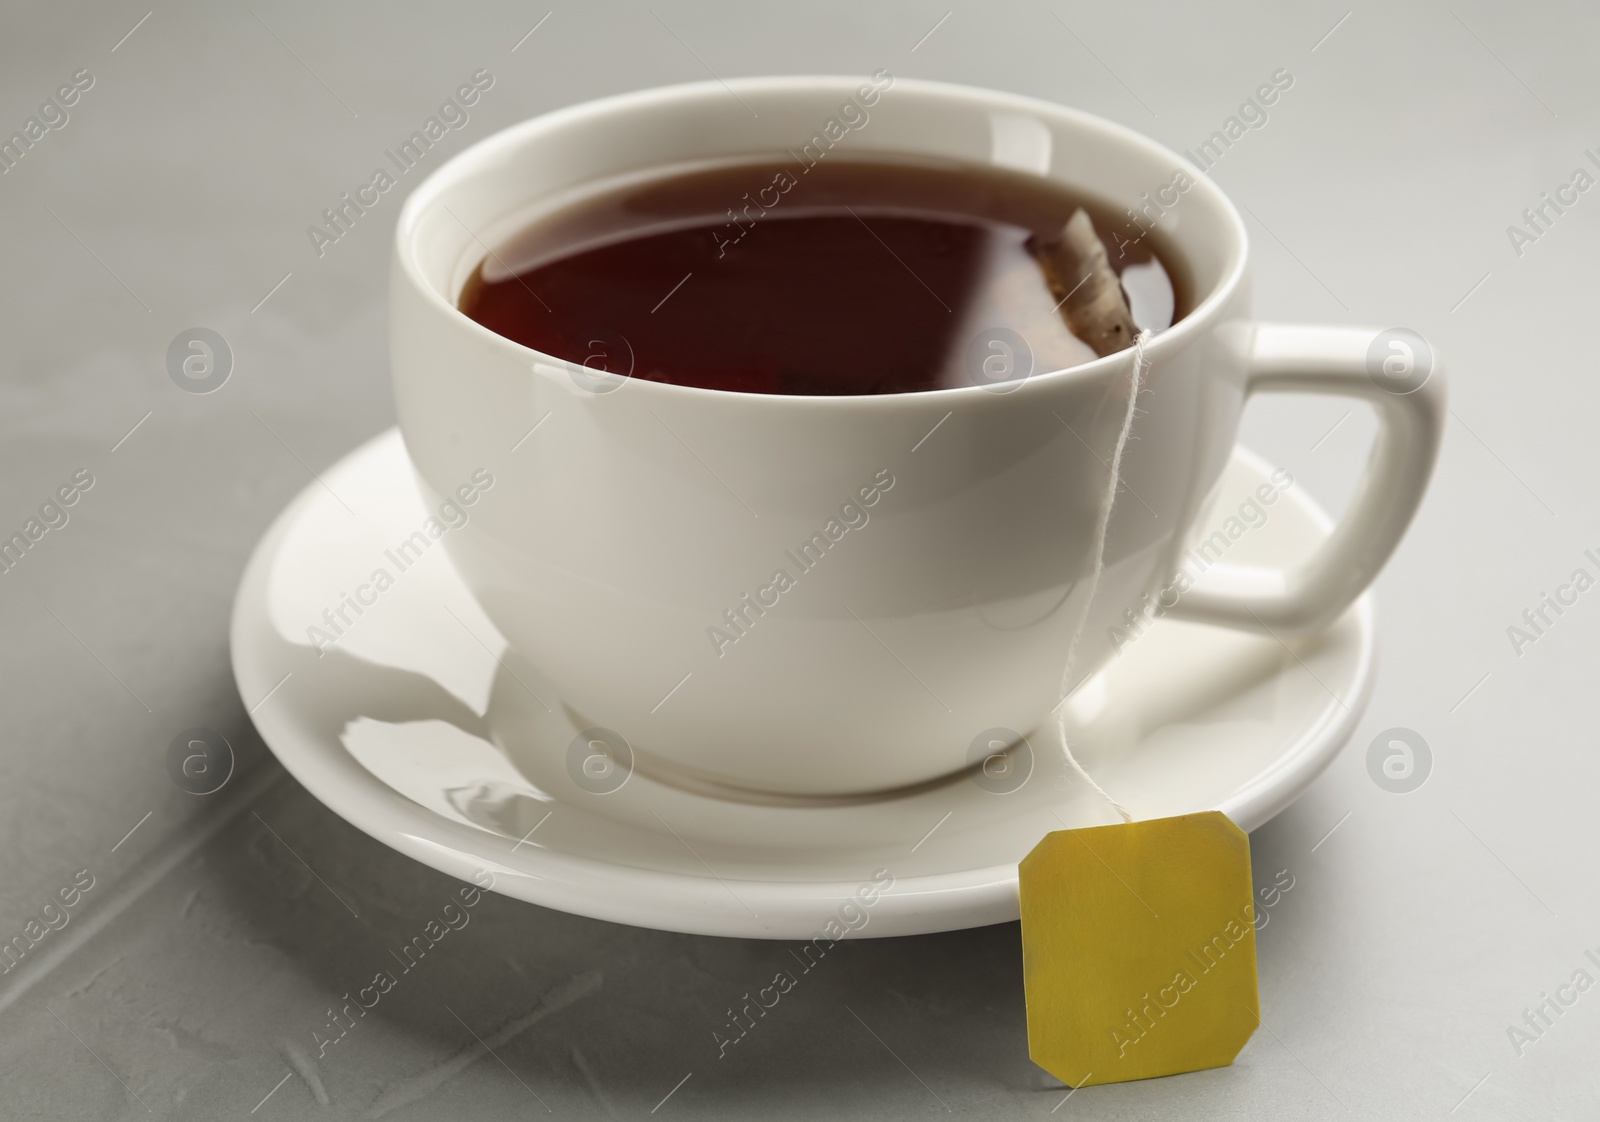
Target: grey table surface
[{"x": 192, "y": 975}]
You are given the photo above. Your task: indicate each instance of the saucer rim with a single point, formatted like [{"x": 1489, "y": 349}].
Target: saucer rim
[{"x": 680, "y": 902}]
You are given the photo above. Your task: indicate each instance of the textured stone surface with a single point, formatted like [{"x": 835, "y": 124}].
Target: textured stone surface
[{"x": 1379, "y": 191}]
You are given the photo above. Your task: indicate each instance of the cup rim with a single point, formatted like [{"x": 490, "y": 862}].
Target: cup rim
[{"x": 466, "y": 163}]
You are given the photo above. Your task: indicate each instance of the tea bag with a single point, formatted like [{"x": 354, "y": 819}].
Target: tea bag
[
  {"x": 1138, "y": 939},
  {"x": 1086, "y": 287}
]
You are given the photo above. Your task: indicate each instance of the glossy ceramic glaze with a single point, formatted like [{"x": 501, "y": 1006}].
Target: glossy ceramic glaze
[
  {"x": 421, "y": 726},
  {"x": 642, "y": 543}
]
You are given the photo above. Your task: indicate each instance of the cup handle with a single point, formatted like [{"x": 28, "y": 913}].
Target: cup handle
[{"x": 1333, "y": 360}]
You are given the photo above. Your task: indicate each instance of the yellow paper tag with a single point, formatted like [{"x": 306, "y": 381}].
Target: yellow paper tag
[{"x": 1139, "y": 948}]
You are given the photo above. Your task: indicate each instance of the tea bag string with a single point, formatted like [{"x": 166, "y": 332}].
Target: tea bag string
[{"x": 1102, "y": 524}]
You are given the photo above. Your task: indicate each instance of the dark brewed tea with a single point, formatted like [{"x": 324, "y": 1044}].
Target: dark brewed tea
[{"x": 850, "y": 277}]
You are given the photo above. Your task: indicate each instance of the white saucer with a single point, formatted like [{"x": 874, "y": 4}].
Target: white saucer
[{"x": 422, "y": 729}]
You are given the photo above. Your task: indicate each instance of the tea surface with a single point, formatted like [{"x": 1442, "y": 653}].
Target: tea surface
[{"x": 854, "y": 276}]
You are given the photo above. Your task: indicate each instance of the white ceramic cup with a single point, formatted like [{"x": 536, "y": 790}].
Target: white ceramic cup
[{"x": 631, "y": 544}]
